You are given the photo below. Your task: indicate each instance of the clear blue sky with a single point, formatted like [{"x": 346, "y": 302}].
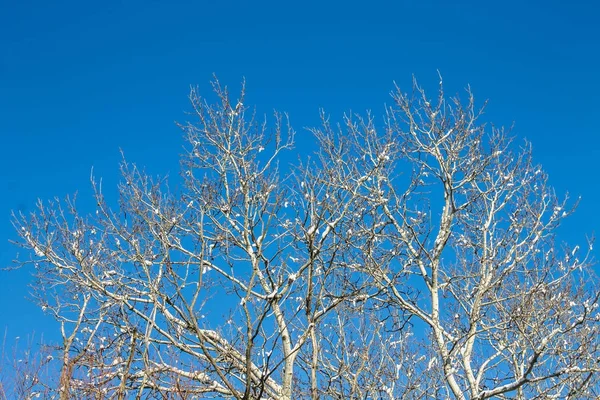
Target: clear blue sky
[{"x": 79, "y": 80}]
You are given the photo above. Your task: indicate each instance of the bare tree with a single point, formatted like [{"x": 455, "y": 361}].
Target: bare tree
[
  {"x": 24, "y": 370},
  {"x": 415, "y": 259}
]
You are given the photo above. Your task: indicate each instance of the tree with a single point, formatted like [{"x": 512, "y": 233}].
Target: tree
[
  {"x": 416, "y": 259},
  {"x": 23, "y": 371}
]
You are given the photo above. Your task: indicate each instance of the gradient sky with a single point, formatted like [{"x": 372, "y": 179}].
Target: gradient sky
[{"x": 81, "y": 80}]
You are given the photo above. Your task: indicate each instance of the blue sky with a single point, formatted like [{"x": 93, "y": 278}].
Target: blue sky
[{"x": 81, "y": 80}]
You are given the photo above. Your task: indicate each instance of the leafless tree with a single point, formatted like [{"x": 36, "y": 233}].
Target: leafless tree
[
  {"x": 24, "y": 370},
  {"x": 409, "y": 258}
]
